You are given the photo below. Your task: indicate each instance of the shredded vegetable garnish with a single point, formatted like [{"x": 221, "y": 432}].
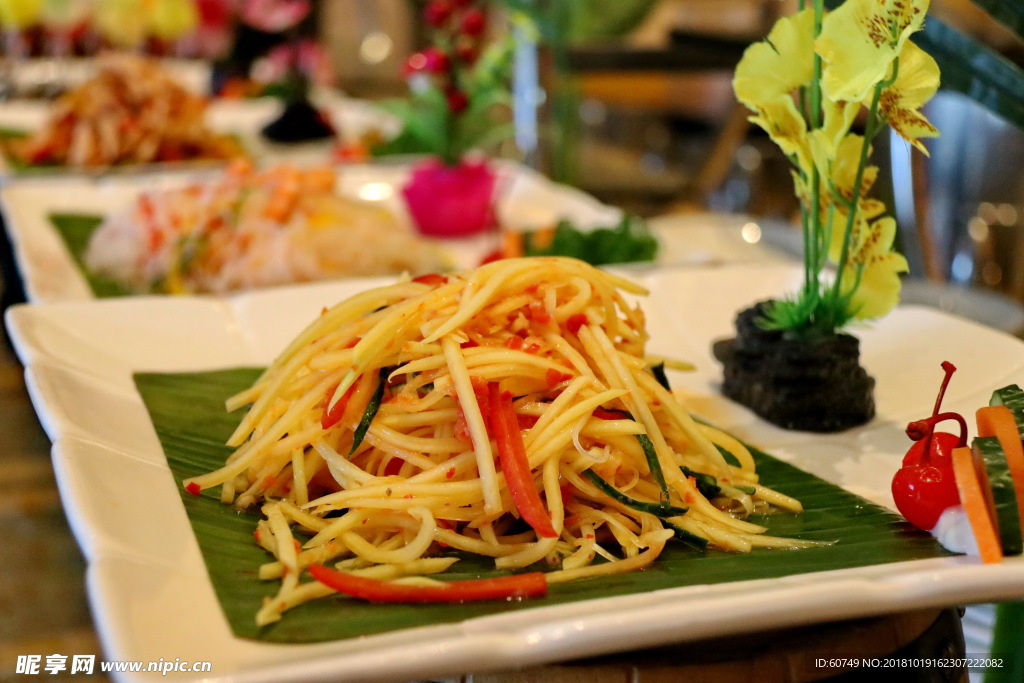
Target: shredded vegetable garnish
[{"x": 512, "y": 414}]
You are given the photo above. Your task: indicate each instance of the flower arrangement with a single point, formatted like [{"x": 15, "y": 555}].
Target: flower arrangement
[
  {"x": 456, "y": 85},
  {"x": 808, "y": 83}
]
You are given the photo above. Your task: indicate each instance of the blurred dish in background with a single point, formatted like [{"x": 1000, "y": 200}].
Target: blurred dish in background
[
  {"x": 131, "y": 112},
  {"x": 248, "y": 229},
  {"x": 51, "y": 219}
]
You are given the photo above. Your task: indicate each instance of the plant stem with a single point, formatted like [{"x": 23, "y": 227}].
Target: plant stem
[
  {"x": 809, "y": 269},
  {"x": 819, "y": 13},
  {"x": 448, "y": 154},
  {"x": 813, "y": 234},
  {"x": 871, "y": 128}
]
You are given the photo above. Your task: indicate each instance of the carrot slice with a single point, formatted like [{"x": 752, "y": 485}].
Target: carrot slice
[
  {"x": 998, "y": 421},
  {"x": 973, "y": 500},
  {"x": 511, "y": 243}
]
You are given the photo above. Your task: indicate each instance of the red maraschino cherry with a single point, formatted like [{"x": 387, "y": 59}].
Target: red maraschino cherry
[{"x": 925, "y": 485}]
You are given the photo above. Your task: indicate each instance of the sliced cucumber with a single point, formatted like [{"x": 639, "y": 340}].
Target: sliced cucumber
[
  {"x": 1000, "y": 496},
  {"x": 1012, "y": 397},
  {"x": 1000, "y": 397}
]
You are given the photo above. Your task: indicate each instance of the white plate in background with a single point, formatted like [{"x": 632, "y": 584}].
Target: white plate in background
[{"x": 526, "y": 201}]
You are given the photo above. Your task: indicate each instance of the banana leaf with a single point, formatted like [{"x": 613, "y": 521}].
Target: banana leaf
[
  {"x": 8, "y": 136},
  {"x": 76, "y": 230},
  {"x": 188, "y": 415}
]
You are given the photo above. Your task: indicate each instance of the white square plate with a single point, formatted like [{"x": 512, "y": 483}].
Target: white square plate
[{"x": 152, "y": 598}]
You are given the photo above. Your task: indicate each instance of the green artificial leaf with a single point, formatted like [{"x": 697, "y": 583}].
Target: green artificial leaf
[
  {"x": 429, "y": 126},
  {"x": 477, "y": 128},
  {"x": 76, "y": 230},
  {"x": 628, "y": 242},
  {"x": 493, "y": 69},
  {"x": 425, "y": 123},
  {"x": 187, "y": 410}
]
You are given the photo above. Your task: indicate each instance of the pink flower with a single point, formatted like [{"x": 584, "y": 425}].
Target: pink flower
[
  {"x": 274, "y": 16},
  {"x": 213, "y": 36},
  {"x": 312, "y": 61},
  {"x": 437, "y": 12},
  {"x": 214, "y": 14},
  {"x": 457, "y": 100},
  {"x": 473, "y": 22}
]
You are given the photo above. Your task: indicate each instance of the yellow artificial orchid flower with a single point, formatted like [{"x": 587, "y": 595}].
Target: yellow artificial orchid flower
[
  {"x": 171, "y": 19},
  {"x": 778, "y": 65},
  {"x": 916, "y": 83},
  {"x": 878, "y": 287},
  {"x": 866, "y": 60},
  {"x": 787, "y": 129},
  {"x": 769, "y": 73},
  {"x": 122, "y": 22},
  {"x": 19, "y": 14},
  {"x": 838, "y": 118},
  {"x": 860, "y": 40},
  {"x": 844, "y": 164},
  {"x": 867, "y": 210},
  {"x": 858, "y": 234}
]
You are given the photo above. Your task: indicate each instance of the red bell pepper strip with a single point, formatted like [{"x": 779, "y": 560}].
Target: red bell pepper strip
[
  {"x": 530, "y": 585},
  {"x": 330, "y": 417},
  {"x": 432, "y": 279},
  {"x": 575, "y": 322},
  {"x": 514, "y": 463}
]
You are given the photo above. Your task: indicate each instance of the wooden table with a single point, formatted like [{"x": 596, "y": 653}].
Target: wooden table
[{"x": 43, "y": 608}]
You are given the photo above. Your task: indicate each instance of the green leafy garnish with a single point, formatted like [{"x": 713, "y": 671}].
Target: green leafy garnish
[{"x": 628, "y": 242}]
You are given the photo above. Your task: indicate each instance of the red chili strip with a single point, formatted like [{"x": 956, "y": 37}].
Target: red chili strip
[
  {"x": 330, "y": 417},
  {"x": 575, "y": 322},
  {"x": 432, "y": 279},
  {"x": 530, "y": 585},
  {"x": 514, "y": 463},
  {"x": 553, "y": 377},
  {"x": 610, "y": 414}
]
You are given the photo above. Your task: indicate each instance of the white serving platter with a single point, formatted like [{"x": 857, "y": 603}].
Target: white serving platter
[{"x": 147, "y": 583}]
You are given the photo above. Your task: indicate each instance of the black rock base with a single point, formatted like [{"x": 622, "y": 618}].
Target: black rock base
[{"x": 814, "y": 385}]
